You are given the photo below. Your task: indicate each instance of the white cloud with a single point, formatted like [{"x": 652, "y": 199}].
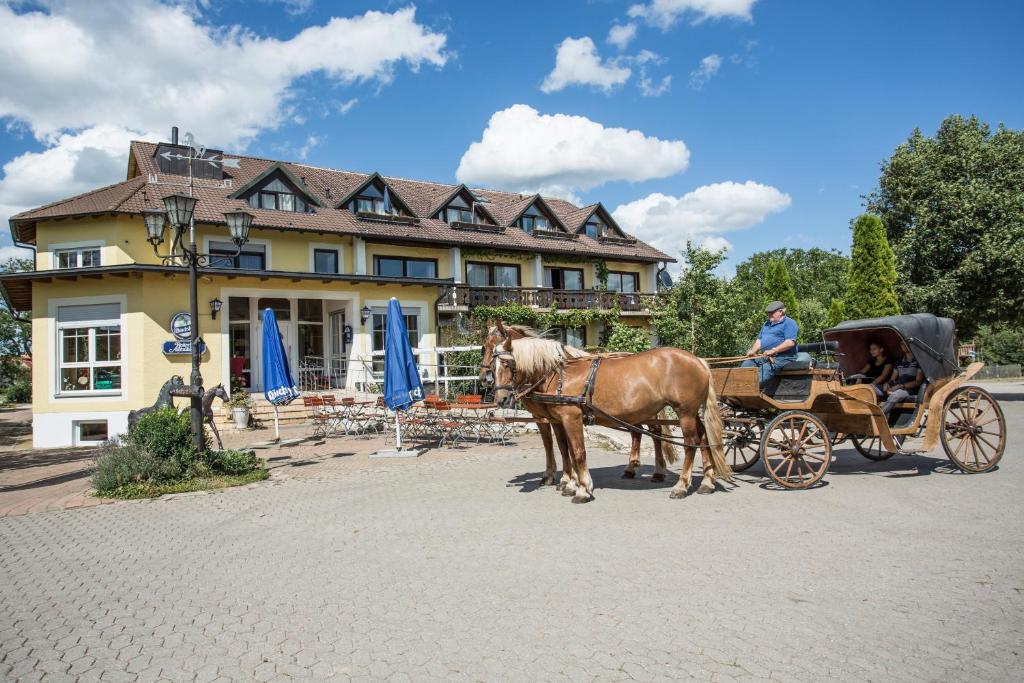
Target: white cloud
[
  {"x": 707, "y": 68},
  {"x": 347, "y": 105},
  {"x": 7, "y": 253},
  {"x": 73, "y": 164},
  {"x": 145, "y": 65},
  {"x": 665, "y": 13},
  {"x": 668, "y": 222},
  {"x": 716, "y": 243},
  {"x": 621, "y": 35},
  {"x": 559, "y": 154},
  {"x": 578, "y": 63},
  {"x": 648, "y": 87}
]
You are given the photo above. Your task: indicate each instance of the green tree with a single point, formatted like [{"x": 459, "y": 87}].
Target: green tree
[
  {"x": 836, "y": 313},
  {"x": 817, "y": 276},
  {"x": 627, "y": 338},
  {"x": 778, "y": 287},
  {"x": 701, "y": 312},
  {"x": 953, "y": 209},
  {"x": 15, "y": 342},
  {"x": 870, "y": 287}
]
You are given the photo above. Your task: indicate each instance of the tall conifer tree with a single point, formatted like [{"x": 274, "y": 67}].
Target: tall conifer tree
[
  {"x": 871, "y": 285},
  {"x": 777, "y": 287}
]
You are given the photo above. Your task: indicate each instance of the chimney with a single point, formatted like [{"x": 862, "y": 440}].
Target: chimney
[{"x": 174, "y": 135}]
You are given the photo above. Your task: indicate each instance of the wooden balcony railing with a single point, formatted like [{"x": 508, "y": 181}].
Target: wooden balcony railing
[{"x": 465, "y": 296}]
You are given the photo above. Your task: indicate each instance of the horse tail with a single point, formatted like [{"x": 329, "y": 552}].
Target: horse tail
[
  {"x": 714, "y": 430},
  {"x": 667, "y": 448}
]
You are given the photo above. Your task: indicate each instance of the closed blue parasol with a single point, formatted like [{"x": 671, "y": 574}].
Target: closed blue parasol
[
  {"x": 402, "y": 385},
  {"x": 278, "y": 386}
]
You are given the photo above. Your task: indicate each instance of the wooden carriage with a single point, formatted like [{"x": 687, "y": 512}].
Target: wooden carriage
[{"x": 794, "y": 421}]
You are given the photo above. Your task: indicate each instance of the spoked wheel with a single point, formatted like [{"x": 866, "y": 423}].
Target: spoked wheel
[
  {"x": 742, "y": 438},
  {"x": 871, "y": 447},
  {"x": 797, "y": 449},
  {"x": 973, "y": 430}
]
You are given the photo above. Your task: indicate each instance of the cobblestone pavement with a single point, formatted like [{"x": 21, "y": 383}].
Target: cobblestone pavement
[{"x": 462, "y": 568}]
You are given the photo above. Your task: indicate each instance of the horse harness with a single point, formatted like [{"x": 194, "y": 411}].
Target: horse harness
[{"x": 584, "y": 400}]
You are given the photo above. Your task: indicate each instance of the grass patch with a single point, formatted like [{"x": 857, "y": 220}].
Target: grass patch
[{"x": 209, "y": 483}]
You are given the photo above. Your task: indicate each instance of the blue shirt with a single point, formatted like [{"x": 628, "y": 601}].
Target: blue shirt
[{"x": 773, "y": 334}]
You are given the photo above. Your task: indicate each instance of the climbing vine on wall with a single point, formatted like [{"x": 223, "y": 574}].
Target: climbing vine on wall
[
  {"x": 518, "y": 314},
  {"x": 495, "y": 254}
]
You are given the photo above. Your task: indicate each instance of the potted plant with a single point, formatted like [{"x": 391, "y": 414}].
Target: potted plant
[{"x": 240, "y": 404}]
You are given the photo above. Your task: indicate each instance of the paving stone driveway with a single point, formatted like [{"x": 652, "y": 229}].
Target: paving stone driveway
[{"x": 463, "y": 569}]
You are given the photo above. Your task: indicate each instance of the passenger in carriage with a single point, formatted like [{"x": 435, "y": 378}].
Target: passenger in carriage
[
  {"x": 907, "y": 378},
  {"x": 877, "y": 370},
  {"x": 776, "y": 342}
]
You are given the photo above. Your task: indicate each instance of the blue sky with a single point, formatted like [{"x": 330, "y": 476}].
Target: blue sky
[{"x": 781, "y": 135}]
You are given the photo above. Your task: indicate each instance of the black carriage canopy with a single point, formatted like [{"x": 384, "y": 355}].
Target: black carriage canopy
[{"x": 931, "y": 339}]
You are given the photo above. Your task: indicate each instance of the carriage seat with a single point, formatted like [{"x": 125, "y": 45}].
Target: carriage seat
[
  {"x": 803, "y": 361},
  {"x": 793, "y": 381}
]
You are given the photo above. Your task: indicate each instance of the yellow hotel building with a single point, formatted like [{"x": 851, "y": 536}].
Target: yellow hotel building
[{"x": 327, "y": 250}]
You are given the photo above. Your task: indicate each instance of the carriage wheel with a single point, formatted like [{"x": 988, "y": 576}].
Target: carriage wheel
[
  {"x": 797, "y": 449},
  {"x": 742, "y": 443},
  {"x": 871, "y": 446},
  {"x": 973, "y": 430}
]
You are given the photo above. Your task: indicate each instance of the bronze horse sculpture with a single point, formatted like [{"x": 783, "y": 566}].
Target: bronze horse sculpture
[
  {"x": 613, "y": 391},
  {"x": 552, "y": 433},
  {"x": 165, "y": 399}
]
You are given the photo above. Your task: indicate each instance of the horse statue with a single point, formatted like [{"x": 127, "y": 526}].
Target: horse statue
[
  {"x": 662, "y": 450},
  {"x": 615, "y": 391},
  {"x": 163, "y": 400},
  {"x": 216, "y": 392}
]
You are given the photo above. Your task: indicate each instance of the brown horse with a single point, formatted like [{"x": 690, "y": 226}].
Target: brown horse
[
  {"x": 662, "y": 450},
  {"x": 631, "y": 389}
]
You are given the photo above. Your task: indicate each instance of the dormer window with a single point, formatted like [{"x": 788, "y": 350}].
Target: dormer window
[
  {"x": 277, "y": 196},
  {"x": 458, "y": 211},
  {"x": 535, "y": 218},
  {"x": 595, "y": 228},
  {"x": 370, "y": 200}
]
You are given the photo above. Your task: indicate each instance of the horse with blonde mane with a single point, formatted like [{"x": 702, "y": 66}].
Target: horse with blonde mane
[
  {"x": 662, "y": 450},
  {"x": 625, "y": 390}
]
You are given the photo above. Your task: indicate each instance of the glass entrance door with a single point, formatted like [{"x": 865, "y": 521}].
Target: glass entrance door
[{"x": 339, "y": 349}]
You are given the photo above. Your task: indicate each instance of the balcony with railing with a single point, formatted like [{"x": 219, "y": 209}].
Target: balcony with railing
[{"x": 465, "y": 297}]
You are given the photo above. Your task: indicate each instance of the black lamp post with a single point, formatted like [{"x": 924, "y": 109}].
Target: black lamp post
[{"x": 179, "y": 213}]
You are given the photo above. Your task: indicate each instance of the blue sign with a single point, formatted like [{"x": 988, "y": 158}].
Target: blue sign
[
  {"x": 181, "y": 348},
  {"x": 181, "y": 326}
]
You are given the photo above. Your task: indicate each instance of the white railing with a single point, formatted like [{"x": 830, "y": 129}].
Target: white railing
[
  {"x": 319, "y": 374},
  {"x": 437, "y": 370}
]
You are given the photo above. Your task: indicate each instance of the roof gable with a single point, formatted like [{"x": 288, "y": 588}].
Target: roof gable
[
  {"x": 479, "y": 203},
  {"x": 605, "y": 217},
  {"x": 545, "y": 208},
  {"x": 395, "y": 197},
  {"x": 267, "y": 175}
]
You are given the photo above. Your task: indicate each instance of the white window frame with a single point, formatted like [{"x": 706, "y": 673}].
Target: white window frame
[
  {"x": 78, "y": 247},
  {"x": 324, "y": 246},
  {"x": 57, "y": 350},
  {"x": 76, "y": 427}
]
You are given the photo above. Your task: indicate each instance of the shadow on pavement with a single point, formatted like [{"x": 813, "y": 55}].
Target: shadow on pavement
[{"x": 49, "y": 481}]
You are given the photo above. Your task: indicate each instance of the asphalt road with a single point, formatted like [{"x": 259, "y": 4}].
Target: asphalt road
[{"x": 461, "y": 568}]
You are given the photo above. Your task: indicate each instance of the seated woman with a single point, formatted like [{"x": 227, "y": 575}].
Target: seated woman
[
  {"x": 907, "y": 378},
  {"x": 877, "y": 370}
]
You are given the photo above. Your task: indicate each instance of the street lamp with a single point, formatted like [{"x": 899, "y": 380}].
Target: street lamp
[
  {"x": 179, "y": 212},
  {"x": 364, "y": 315}
]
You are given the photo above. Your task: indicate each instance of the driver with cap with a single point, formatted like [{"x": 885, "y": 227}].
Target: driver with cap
[{"x": 776, "y": 343}]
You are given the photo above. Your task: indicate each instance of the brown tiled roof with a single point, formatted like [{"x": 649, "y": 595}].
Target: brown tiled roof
[{"x": 329, "y": 187}]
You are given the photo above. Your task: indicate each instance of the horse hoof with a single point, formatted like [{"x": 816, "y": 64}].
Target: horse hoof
[
  {"x": 705, "y": 489},
  {"x": 566, "y": 491},
  {"x": 677, "y": 493},
  {"x": 559, "y": 486},
  {"x": 628, "y": 474},
  {"x": 547, "y": 481},
  {"x": 657, "y": 476},
  {"x": 582, "y": 497}
]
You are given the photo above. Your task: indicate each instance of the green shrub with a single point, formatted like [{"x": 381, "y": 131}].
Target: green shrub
[
  {"x": 18, "y": 391},
  {"x": 234, "y": 461},
  {"x": 625, "y": 338},
  {"x": 123, "y": 465},
  {"x": 165, "y": 434}
]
